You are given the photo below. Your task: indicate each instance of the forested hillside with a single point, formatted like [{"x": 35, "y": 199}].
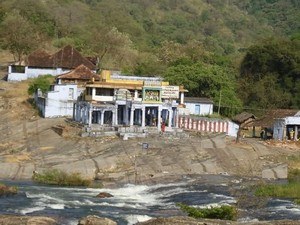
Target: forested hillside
[{"x": 246, "y": 52}]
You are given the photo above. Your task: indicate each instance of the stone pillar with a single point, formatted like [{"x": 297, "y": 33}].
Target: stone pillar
[
  {"x": 90, "y": 116},
  {"x": 131, "y": 116},
  {"x": 176, "y": 118},
  {"x": 182, "y": 98},
  {"x": 170, "y": 118},
  {"x": 93, "y": 92},
  {"x": 117, "y": 116},
  {"x": 296, "y": 133},
  {"x": 140, "y": 116},
  {"x": 159, "y": 118},
  {"x": 136, "y": 95},
  {"x": 102, "y": 117},
  {"x": 284, "y": 133},
  {"x": 125, "y": 115},
  {"x": 113, "y": 122},
  {"x": 143, "y": 116},
  {"x": 98, "y": 117}
]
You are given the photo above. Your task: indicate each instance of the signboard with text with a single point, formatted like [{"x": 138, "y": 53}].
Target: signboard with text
[{"x": 170, "y": 92}]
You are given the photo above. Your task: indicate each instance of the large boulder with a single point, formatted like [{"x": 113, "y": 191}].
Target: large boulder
[
  {"x": 95, "y": 220},
  {"x": 104, "y": 195}
]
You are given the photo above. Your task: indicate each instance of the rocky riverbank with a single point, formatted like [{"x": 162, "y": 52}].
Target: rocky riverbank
[{"x": 94, "y": 220}]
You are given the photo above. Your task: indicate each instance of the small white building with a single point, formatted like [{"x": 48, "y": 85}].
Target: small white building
[
  {"x": 198, "y": 106},
  {"x": 59, "y": 101},
  {"x": 41, "y": 63},
  {"x": 287, "y": 127}
]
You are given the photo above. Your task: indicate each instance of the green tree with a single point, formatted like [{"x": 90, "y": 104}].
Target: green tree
[
  {"x": 113, "y": 48},
  {"x": 18, "y": 35},
  {"x": 205, "y": 80},
  {"x": 42, "y": 82},
  {"x": 270, "y": 75}
]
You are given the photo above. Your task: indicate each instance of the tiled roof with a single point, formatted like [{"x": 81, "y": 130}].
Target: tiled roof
[
  {"x": 269, "y": 118},
  {"x": 39, "y": 58},
  {"x": 80, "y": 73},
  {"x": 198, "y": 100},
  {"x": 68, "y": 58}
]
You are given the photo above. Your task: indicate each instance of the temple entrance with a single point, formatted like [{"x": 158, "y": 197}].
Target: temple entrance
[
  {"x": 151, "y": 116},
  {"x": 137, "y": 117},
  {"x": 108, "y": 117}
]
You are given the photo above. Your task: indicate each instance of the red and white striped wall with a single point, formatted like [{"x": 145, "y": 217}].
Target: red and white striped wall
[{"x": 205, "y": 124}]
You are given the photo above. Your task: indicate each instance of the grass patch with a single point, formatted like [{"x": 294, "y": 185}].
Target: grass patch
[
  {"x": 290, "y": 190},
  {"x": 224, "y": 212},
  {"x": 57, "y": 177},
  {"x": 7, "y": 190}
]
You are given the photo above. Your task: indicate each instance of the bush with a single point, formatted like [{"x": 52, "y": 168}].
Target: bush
[
  {"x": 224, "y": 212},
  {"x": 294, "y": 175},
  {"x": 42, "y": 82},
  {"x": 57, "y": 177},
  {"x": 7, "y": 190}
]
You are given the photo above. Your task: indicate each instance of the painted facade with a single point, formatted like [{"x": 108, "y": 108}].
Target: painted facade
[
  {"x": 208, "y": 125},
  {"x": 127, "y": 101}
]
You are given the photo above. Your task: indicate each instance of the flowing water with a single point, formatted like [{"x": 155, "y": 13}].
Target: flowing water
[{"x": 131, "y": 203}]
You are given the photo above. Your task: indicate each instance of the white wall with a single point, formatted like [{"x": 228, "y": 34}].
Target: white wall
[
  {"x": 60, "y": 101},
  {"x": 58, "y": 108},
  {"x": 232, "y": 129},
  {"x": 292, "y": 120},
  {"x": 33, "y": 72},
  {"x": 278, "y": 129},
  {"x": 205, "y": 109}
]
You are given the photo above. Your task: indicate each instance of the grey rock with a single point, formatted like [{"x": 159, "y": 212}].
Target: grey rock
[{"x": 104, "y": 195}]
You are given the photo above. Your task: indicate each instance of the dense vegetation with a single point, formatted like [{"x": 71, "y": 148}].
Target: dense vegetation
[
  {"x": 224, "y": 212},
  {"x": 57, "y": 177},
  {"x": 216, "y": 48},
  {"x": 42, "y": 82}
]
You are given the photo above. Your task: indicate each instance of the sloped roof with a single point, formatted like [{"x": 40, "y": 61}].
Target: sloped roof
[
  {"x": 269, "y": 118},
  {"x": 198, "y": 100},
  {"x": 68, "y": 57},
  {"x": 80, "y": 73},
  {"x": 242, "y": 117},
  {"x": 39, "y": 58}
]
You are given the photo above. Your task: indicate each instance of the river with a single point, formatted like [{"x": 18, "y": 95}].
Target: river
[{"x": 132, "y": 203}]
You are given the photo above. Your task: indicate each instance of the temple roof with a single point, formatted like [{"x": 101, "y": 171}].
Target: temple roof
[{"x": 81, "y": 72}]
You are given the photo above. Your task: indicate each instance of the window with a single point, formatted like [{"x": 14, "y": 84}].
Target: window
[
  {"x": 71, "y": 93},
  {"x": 89, "y": 91},
  {"x": 197, "y": 109},
  {"x": 105, "y": 91}
]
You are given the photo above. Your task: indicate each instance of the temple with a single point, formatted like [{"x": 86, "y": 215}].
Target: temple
[{"x": 118, "y": 100}]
